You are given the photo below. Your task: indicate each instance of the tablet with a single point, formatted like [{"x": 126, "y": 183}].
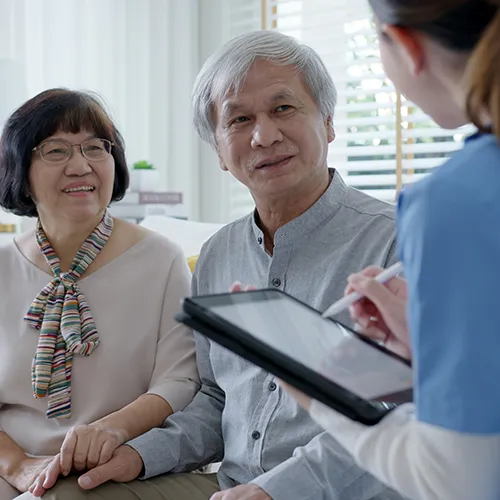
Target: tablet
[{"x": 321, "y": 357}]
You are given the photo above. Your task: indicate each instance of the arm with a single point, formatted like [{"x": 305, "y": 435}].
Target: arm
[
  {"x": 415, "y": 458},
  {"x": 174, "y": 381},
  {"x": 193, "y": 437},
  {"x": 16, "y": 468},
  {"x": 175, "y": 376},
  {"x": 145, "y": 413},
  {"x": 322, "y": 470},
  {"x": 11, "y": 456}
]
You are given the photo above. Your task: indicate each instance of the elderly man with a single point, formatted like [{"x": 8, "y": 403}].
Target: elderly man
[{"x": 266, "y": 104}]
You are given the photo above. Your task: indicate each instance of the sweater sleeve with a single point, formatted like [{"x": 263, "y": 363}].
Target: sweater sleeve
[{"x": 420, "y": 461}]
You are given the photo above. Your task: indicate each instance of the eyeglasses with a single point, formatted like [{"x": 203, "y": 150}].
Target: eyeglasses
[{"x": 59, "y": 150}]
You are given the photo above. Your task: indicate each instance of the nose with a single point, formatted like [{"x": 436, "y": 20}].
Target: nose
[
  {"x": 266, "y": 132},
  {"x": 77, "y": 164}
]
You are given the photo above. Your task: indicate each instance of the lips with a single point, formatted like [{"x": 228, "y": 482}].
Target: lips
[{"x": 275, "y": 160}]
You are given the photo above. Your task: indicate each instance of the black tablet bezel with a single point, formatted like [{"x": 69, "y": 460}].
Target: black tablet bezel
[{"x": 203, "y": 320}]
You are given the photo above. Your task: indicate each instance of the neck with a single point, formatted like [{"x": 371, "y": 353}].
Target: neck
[
  {"x": 67, "y": 236},
  {"x": 278, "y": 211}
]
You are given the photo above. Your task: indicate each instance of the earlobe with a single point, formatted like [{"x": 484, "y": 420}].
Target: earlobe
[
  {"x": 330, "y": 131},
  {"x": 408, "y": 41},
  {"x": 222, "y": 164}
]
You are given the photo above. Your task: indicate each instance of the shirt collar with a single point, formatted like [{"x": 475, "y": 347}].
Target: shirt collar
[{"x": 326, "y": 206}]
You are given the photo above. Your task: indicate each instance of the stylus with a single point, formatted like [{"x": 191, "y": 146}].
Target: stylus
[{"x": 348, "y": 300}]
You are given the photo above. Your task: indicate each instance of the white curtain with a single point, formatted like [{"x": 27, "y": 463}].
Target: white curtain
[{"x": 139, "y": 55}]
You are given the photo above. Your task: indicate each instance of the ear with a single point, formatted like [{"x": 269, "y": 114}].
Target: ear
[
  {"x": 330, "y": 131},
  {"x": 409, "y": 44},
  {"x": 222, "y": 164}
]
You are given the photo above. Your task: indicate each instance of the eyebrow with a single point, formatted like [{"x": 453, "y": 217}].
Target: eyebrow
[
  {"x": 230, "y": 107},
  {"x": 284, "y": 95}
]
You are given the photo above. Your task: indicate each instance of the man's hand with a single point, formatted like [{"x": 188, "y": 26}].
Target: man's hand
[
  {"x": 27, "y": 472},
  {"x": 243, "y": 492},
  {"x": 125, "y": 465},
  {"x": 87, "y": 446}
]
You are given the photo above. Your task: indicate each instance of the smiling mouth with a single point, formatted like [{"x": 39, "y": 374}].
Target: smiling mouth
[{"x": 82, "y": 189}]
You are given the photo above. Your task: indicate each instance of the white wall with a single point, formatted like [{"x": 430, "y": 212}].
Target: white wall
[
  {"x": 222, "y": 198},
  {"x": 213, "y": 182},
  {"x": 140, "y": 55}
]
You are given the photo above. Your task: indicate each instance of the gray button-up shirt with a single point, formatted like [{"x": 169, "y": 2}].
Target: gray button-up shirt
[{"x": 240, "y": 416}]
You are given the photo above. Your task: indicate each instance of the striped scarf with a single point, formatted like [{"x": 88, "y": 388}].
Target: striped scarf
[{"x": 61, "y": 313}]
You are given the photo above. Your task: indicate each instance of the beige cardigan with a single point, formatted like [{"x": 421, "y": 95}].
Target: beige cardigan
[{"x": 143, "y": 350}]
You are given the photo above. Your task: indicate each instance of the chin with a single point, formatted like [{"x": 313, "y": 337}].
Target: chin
[
  {"x": 450, "y": 122},
  {"x": 81, "y": 214},
  {"x": 448, "y": 117}
]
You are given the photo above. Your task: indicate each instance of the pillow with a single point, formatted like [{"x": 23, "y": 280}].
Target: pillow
[
  {"x": 192, "y": 262},
  {"x": 189, "y": 235}
]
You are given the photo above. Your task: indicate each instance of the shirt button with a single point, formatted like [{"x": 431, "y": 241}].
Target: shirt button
[
  {"x": 276, "y": 282},
  {"x": 259, "y": 240},
  {"x": 256, "y": 435},
  {"x": 272, "y": 386}
]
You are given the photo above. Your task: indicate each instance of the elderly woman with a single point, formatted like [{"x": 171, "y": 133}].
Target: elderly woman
[{"x": 90, "y": 353}]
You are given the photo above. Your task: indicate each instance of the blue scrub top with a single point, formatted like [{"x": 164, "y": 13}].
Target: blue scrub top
[{"x": 449, "y": 243}]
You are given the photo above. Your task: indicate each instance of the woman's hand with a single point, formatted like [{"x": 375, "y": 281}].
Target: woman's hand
[
  {"x": 47, "y": 477},
  {"x": 27, "y": 472},
  {"x": 238, "y": 287},
  {"x": 381, "y": 313},
  {"x": 83, "y": 448},
  {"x": 87, "y": 446}
]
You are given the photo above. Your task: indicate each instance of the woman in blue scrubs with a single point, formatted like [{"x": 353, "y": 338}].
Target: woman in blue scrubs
[{"x": 444, "y": 55}]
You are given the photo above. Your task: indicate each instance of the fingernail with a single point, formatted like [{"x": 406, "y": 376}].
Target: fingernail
[{"x": 85, "y": 482}]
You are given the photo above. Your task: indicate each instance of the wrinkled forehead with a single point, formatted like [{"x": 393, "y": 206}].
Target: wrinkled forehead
[{"x": 274, "y": 95}]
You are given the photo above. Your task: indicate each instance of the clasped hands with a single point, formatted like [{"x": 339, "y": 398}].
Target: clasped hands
[{"x": 84, "y": 448}]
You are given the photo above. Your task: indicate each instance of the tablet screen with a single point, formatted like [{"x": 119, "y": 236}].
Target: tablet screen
[{"x": 320, "y": 344}]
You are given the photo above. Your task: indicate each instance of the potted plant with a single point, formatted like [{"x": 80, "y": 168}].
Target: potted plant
[{"x": 143, "y": 177}]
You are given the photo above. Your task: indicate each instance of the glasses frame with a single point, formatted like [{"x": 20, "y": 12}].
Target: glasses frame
[{"x": 71, "y": 146}]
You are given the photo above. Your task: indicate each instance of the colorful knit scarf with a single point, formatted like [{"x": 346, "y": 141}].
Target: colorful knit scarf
[{"x": 62, "y": 315}]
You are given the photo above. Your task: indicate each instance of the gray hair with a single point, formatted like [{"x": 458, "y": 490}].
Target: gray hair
[{"x": 226, "y": 70}]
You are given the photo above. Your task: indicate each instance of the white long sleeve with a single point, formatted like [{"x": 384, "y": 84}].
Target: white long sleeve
[{"x": 421, "y": 461}]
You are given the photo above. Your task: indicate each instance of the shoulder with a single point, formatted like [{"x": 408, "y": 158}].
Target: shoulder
[
  {"x": 147, "y": 244},
  {"x": 225, "y": 243},
  {"x": 461, "y": 195},
  {"x": 226, "y": 235},
  {"x": 372, "y": 222},
  {"x": 365, "y": 206}
]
